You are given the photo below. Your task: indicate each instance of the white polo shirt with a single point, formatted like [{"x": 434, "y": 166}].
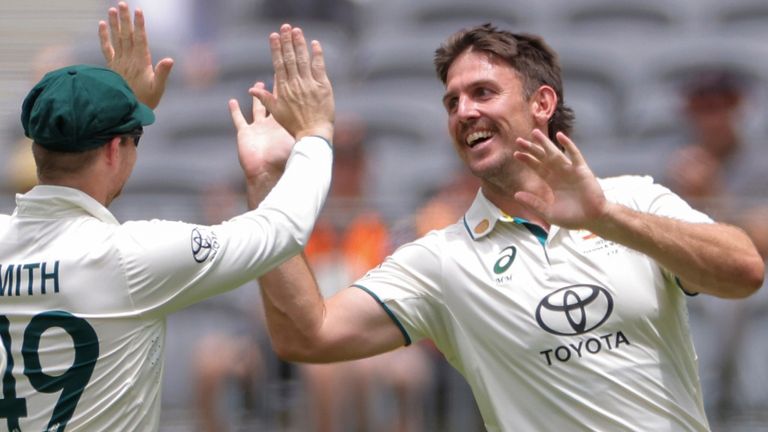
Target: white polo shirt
[
  {"x": 558, "y": 331},
  {"x": 83, "y": 299}
]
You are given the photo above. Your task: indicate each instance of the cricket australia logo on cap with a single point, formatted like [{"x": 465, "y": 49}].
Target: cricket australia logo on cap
[{"x": 205, "y": 245}]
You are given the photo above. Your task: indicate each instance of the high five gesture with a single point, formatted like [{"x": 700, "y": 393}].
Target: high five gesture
[
  {"x": 125, "y": 48},
  {"x": 302, "y": 101}
]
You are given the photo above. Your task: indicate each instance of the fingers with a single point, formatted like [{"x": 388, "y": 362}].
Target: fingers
[
  {"x": 289, "y": 53},
  {"x": 237, "y": 115},
  {"x": 114, "y": 30},
  {"x": 281, "y": 75},
  {"x": 264, "y": 97},
  {"x": 290, "y": 56},
  {"x": 527, "y": 158},
  {"x": 318, "y": 62},
  {"x": 531, "y": 148},
  {"x": 126, "y": 26},
  {"x": 259, "y": 110},
  {"x": 570, "y": 149},
  {"x": 543, "y": 140},
  {"x": 542, "y": 149},
  {"x": 140, "y": 34},
  {"x": 106, "y": 46},
  {"x": 302, "y": 54},
  {"x": 274, "y": 87}
]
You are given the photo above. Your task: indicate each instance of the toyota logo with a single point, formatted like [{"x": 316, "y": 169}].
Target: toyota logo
[
  {"x": 574, "y": 310},
  {"x": 204, "y": 244}
]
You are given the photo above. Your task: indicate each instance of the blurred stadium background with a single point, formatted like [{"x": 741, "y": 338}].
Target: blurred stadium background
[{"x": 624, "y": 63}]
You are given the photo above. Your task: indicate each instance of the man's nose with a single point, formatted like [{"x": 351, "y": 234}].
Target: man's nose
[{"x": 467, "y": 108}]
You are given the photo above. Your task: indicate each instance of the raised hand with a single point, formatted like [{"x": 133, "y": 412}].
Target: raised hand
[
  {"x": 577, "y": 200},
  {"x": 125, "y": 48},
  {"x": 303, "y": 100},
  {"x": 263, "y": 147}
]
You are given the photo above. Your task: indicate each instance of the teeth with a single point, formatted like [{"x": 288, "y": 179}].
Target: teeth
[{"x": 476, "y": 136}]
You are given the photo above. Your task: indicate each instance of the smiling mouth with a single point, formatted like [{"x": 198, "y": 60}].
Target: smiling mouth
[{"x": 476, "y": 138}]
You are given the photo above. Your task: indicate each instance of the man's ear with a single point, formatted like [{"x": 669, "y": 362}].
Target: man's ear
[
  {"x": 543, "y": 104},
  {"x": 111, "y": 150}
]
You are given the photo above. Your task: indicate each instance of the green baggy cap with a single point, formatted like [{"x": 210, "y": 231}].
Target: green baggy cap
[{"x": 81, "y": 107}]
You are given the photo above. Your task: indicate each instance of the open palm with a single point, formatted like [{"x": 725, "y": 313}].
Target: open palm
[
  {"x": 263, "y": 146},
  {"x": 577, "y": 200}
]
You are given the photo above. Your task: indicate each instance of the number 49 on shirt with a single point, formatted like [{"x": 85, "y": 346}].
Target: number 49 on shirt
[{"x": 71, "y": 383}]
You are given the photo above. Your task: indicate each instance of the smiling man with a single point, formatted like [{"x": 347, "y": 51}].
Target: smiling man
[{"x": 560, "y": 297}]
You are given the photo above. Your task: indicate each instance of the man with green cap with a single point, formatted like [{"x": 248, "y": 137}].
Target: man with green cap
[{"x": 83, "y": 298}]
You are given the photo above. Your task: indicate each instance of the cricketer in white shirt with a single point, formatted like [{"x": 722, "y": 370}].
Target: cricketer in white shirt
[
  {"x": 83, "y": 298},
  {"x": 558, "y": 331}
]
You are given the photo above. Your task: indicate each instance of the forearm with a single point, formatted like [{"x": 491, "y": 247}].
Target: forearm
[
  {"x": 293, "y": 307},
  {"x": 258, "y": 187},
  {"x": 715, "y": 259}
]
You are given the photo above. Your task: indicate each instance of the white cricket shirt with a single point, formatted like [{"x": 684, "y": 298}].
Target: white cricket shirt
[
  {"x": 558, "y": 331},
  {"x": 83, "y": 299}
]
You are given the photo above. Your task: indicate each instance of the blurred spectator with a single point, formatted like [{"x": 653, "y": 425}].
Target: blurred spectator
[
  {"x": 701, "y": 171},
  {"x": 350, "y": 238},
  {"x": 715, "y": 172}
]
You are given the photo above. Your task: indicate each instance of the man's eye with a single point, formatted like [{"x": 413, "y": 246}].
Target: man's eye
[{"x": 483, "y": 92}]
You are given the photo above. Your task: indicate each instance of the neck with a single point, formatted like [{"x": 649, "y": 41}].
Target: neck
[{"x": 91, "y": 187}]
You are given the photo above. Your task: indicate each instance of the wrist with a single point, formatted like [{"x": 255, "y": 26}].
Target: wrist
[
  {"x": 258, "y": 187},
  {"x": 324, "y": 131},
  {"x": 600, "y": 224}
]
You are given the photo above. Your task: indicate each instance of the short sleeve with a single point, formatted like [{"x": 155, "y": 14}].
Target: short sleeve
[
  {"x": 643, "y": 194},
  {"x": 407, "y": 284}
]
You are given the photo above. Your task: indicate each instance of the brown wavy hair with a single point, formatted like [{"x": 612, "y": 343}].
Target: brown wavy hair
[{"x": 528, "y": 54}]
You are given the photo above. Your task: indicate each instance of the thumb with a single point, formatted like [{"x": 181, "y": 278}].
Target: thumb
[
  {"x": 237, "y": 115},
  {"x": 265, "y": 97},
  {"x": 163, "y": 70}
]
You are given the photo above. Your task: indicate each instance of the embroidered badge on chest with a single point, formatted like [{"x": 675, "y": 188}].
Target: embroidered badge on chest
[
  {"x": 503, "y": 264},
  {"x": 589, "y": 243}
]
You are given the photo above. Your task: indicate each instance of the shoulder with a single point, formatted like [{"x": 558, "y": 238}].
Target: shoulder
[
  {"x": 633, "y": 188},
  {"x": 625, "y": 183},
  {"x": 438, "y": 237},
  {"x": 430, "y": 249}
]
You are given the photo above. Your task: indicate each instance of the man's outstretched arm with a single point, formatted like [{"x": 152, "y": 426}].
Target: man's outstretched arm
[{"x": 716, "y": 259}]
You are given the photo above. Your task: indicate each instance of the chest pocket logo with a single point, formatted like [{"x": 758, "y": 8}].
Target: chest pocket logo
[
  {"x": 574, "y": 310},
  {"x": 505, "y": 260}
]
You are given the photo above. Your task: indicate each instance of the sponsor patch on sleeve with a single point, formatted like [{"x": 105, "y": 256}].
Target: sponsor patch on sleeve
[{"x": 204, "y": 244}]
